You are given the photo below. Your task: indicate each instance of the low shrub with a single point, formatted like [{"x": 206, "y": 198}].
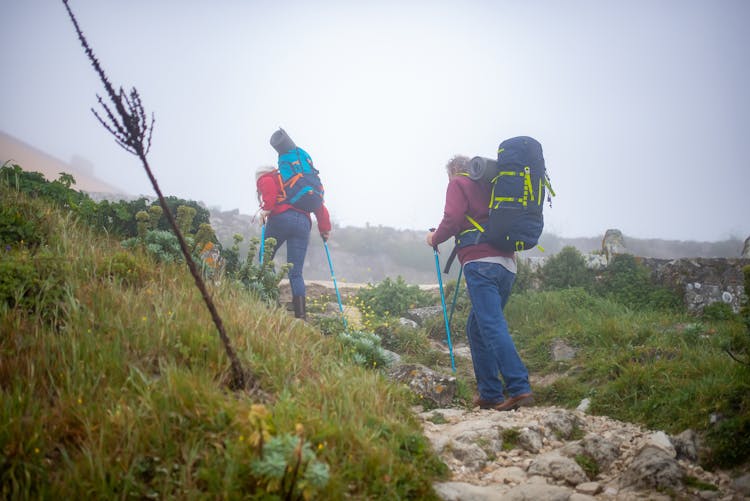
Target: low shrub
[
  {"x": 365, "y": 349},
  {"x": 35, "y": 283},
  {"x": 124, "y": 267},
  {"x": 566, "y": 269},
  {"x": 393, "y": 298},
  {"x": 629, "y": 282}
]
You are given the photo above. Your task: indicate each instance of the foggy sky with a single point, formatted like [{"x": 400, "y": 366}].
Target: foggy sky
[{"x": 641, "y": 106}]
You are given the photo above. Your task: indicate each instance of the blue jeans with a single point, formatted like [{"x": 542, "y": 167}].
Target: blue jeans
[
  {"x": 293, "y": 228},
  {"x": 492, "y": 349}
]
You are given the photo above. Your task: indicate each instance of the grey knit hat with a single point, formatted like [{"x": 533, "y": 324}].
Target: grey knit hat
[{"x": 281, "y": 141}]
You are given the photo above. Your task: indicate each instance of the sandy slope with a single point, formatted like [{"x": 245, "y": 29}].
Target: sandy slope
[{"x": 34, "y": 160}]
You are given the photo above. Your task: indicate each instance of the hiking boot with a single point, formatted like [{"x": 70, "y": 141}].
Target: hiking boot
[
  {"x": 485, "y": 404},
  {"x": 513, "y": 403},
  {"x": 298, "y": 303},
  {"x": 509, "y": 404}
]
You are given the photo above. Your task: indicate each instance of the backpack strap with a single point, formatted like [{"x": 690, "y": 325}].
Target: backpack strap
[
  {"x": 461, "y": 241},
  {"x": 449, "y": 262},
  {"x": 474, "y": 222},
  {"x": 293, "y": 180},
  {"x": 281, "y": 196}
]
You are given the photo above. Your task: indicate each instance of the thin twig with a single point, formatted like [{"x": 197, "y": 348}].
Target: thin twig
[
  {"x": 735, "y": 358},
  {"x": 133, "y": 133}
]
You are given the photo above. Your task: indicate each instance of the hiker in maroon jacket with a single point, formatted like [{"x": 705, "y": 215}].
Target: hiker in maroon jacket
[{"x": 489, "y": 279}]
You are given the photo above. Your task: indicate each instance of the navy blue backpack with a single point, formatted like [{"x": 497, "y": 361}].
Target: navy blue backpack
[
  {"x": 520, "y": 185},
  {"x": 519, "y": 188}
]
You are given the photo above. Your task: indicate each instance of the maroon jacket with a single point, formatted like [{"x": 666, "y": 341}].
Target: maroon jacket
[{"x": 466, "y": 197}]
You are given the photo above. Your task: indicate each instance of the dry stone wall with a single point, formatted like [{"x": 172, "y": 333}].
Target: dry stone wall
[
  {"x": 699, "y": 281},
  {"x": 702, "y": 281}
]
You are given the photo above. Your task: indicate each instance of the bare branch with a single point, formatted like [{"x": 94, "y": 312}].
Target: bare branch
[{"x": 132, "y": 132}]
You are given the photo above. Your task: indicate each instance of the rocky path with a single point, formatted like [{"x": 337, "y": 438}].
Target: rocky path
[{"x": 548, "y": 453}]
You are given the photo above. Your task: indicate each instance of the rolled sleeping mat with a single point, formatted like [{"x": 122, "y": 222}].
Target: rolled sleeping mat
[
  {"x": 482, "y": 168},
  {"x": 281, "y": 141}
]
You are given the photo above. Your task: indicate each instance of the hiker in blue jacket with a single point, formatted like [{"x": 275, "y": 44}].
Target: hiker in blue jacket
[{"x": 490, "y": 274}]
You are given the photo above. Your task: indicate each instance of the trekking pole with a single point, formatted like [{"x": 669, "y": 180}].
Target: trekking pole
[
  {"x": 262, "y": 243},
  {"x": 455, "y": 294},
  {"x": 442, "y": 301},
  {"x": 333, "y": 277}
]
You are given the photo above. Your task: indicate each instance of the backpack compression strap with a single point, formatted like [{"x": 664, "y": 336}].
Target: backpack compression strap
[{"x": 528, "y": 189}]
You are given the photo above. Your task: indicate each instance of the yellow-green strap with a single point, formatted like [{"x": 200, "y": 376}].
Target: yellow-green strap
[
  {"x": 548, "y": 185},
  {"x": 528, "y": 189},
  {"x": 476, "y": 225}
]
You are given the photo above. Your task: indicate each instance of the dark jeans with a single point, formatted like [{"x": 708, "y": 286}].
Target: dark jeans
[
  {"x": 293, "y": 228},
  {"x": 492, "y": 349}
]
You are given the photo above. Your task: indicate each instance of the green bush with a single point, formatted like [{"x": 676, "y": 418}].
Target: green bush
[
  {"x": 21, "y": 226},
  {"x": 628, "y": 282},
  {"x": 566, "y": 269},
  {"x": 117, "y": 218},
  {"x": 163, "y": 244},
  {"x": 124, "y": 267},
  {"x": 35, "y": 283},
  {"x": 402, "y": 339},
  {"x": 393, "y": 298},
  {"x": 35, "y": 185}
]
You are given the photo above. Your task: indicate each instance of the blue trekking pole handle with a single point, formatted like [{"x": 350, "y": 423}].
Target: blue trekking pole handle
[
  {"x": 262, "y": 243},
  {"x": 333, "y": 277},
  {"x": 445, "y": 310}
]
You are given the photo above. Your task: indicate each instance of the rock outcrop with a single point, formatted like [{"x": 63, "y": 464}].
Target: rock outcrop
[{"x": 613, "y": 244}]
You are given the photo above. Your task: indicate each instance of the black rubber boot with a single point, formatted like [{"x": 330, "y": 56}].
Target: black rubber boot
[{"x": 298, "y": 302}]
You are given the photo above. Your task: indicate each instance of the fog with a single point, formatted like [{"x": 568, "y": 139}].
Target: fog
[{"x": 642, "y": 107}]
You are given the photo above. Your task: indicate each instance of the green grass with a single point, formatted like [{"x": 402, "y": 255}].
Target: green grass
[{"x": 115, "y": 387}]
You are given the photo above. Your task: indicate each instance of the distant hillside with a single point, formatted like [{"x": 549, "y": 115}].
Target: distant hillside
[
  {"x": 373, "y": 253},
  {"x": 34, "y": 160}
]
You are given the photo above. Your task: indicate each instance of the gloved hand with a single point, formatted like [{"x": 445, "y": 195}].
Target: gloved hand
[
  {"x": 428, "y": 238},
  {"x": 264, "y": 216}
]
